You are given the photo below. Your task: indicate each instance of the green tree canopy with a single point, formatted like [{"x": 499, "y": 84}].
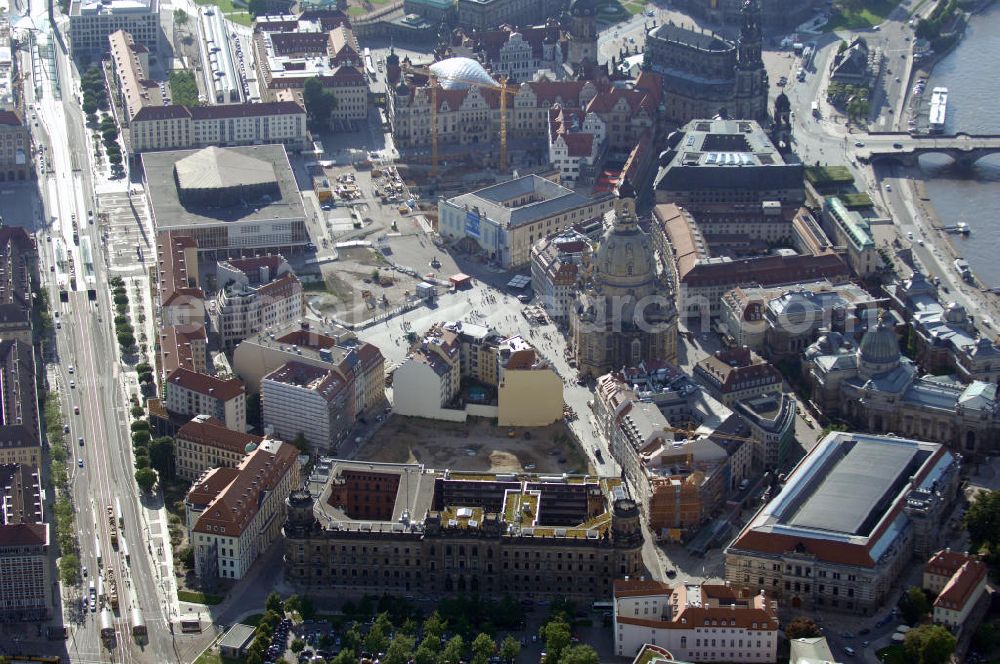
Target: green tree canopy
[
  {"x": 482, "y": 648},
  {"x": 161, "y": 456},
  {"x": 345, "y": 656},
  {"x": 400, "y": 650},
  {"x": 801, "y": 628},
  {"x": 146, "y": 479},
  {"x": 929, "y": 644},
  {"x": 982, "y": 520},
  {"x": 914, "y": 605},
  {"x": 453, "y": 651},
  {"x": 579, "y": 654},
  {"x": 319, "y": 101},
  {"x": 510, "y": 649},
  {"x": 274, "y": 603},
  {"x": 69, "y": 566},
  {"x": 556, "y": 635}
]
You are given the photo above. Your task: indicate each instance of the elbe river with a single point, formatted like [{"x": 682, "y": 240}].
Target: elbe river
[{"x": 970, "y": 74}]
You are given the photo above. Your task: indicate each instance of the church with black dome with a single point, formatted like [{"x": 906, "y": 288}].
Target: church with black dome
[{"x": 875, "y": 388}]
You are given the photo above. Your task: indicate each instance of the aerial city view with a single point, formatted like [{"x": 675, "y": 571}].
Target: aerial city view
[{"x": 498, "y": 331}]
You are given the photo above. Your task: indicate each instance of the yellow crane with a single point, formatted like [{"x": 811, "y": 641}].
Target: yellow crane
[{"x": 503, "y": 88}]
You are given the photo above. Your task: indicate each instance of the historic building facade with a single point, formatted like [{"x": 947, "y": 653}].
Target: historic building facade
[
  {"x": 709, "y": 75},
  {"x": 426, "y": 531},
  {"x": 625, "y": 313}
]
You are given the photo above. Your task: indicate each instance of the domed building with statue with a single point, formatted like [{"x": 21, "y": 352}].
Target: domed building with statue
[
  {"x": 625, "y": 311},
  {"x": 872, "y": 386}
]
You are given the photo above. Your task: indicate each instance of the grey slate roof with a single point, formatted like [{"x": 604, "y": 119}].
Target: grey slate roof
[{"x": 556, "y": 199}]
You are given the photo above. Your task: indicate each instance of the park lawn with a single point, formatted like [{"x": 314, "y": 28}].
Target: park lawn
[
  {"x": 824, "y": 175},
  {"x": 634, "y": 7},
  {"x": 211, "y": 656},
  {"x": 196, "y": 597},
  {"x": 356, "y": 11},
  {"x": 226, "y": 6},
  {"x": 870, "y": 13},
  {"x": 243, "y": 18}
]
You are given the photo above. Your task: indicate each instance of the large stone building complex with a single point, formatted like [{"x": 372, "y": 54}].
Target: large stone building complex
[
  {"x": 504, "y": 220},
  {"x": 401, "y": 528},
  {"x": 874, "y": 386},
  {"x": 681, "y": 479},
  {"x": 776, "y": 15},
  {"x": 848, "y": 520},
  {"x": 625, "y": 313},
  {"x": 177, "y": 127},
  {"x": 228, "y": 200},
  {"x": 25, "y": 566},
  {"x": 18, "y": 268},
  {"x": 708, "y": 75}
]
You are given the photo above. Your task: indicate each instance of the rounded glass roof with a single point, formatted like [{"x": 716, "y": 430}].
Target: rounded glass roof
[{"x": 461, "y": 73}]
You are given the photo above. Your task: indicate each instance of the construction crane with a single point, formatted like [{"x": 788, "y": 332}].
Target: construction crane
[{"x": 503, "y": 88}]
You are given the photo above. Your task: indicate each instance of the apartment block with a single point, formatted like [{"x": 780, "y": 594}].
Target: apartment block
[
  {"x": 257, "y": 294},
  {"x": 235, "y": 514},
  {"x": 190, "y": 393},
  {"x": 301, "y": 399},
  {"x": 25, "y": 568},
  {"x": 205, "y": 443},
  {"x": 699, "y": 623},
  {"x": 176, "y": 127},
  {"x": 959, "y": 583},
  {"x": 18, "y": 266},
  {"x": 20, "y": 438},
  {"x": 15, "y": 148},
  {"x": 512, "y": 382}
]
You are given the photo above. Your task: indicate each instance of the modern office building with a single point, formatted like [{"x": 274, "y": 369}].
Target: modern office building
[
  {"x": 700, "y": 623},
  {"x": 256, "y": 294},
  {"x": 504, "y": 220},
  {"x": 852, "y": 231},
  {"x": 309, "y": 342},
  {"x": 229, "y": 200},
  {"x": 189, "y": 393},
  {"x": 301, "y": 399},
  {"x": 91, "y": 22},
  {"x": 25, "y": 566},
  {"x": 848, "y": 520},
  {"x": 394, "y": 528},
  {"x": 205, "y": 443},
  {"x": 234, "y": 514}
]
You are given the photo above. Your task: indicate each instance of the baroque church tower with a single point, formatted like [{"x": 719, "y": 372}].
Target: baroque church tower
[{"x": 751, "y": 76}]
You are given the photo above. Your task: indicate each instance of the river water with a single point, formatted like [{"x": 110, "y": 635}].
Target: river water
[{"x": 970, "y": 74}]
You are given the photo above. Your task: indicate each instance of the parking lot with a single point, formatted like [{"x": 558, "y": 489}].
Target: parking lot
[{"x": 477, "y": 445}]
